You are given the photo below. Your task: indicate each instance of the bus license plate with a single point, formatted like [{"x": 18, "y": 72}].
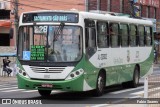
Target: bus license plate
[{"x": 47, "y": 85}]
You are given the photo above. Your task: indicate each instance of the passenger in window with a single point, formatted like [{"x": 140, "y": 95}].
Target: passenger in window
[{"x": 111, "y": 29}]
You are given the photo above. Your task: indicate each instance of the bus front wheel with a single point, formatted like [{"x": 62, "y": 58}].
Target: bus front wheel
[
  {"x": 100, "y": 85},
  {"x": 44, "y": 93}
]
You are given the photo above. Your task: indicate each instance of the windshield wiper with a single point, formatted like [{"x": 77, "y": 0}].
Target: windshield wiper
[{"x": 58, "y": 31}]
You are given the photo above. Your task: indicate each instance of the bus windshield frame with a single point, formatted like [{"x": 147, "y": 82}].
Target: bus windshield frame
[{"x": 50, "y": 43}]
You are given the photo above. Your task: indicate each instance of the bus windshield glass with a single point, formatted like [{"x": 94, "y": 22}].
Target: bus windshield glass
[{"x": 50, "y": 43}]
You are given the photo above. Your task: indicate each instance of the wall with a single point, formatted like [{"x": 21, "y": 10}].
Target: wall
[
  {"x": 5, "y": 30},
  {"x": 7, "y": 4},
  {"x": 92, "y": 4},
  {"x": 103, "y": 5},
  {"x": 144, "y": 10},
  {"x": 115, "y": 6},
  {"x": 31, "y": 5}
]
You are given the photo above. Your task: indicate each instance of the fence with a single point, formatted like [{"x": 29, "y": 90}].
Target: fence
[
  {"x": 154, "y": 88},
  {"x": 152, "y": 83}
]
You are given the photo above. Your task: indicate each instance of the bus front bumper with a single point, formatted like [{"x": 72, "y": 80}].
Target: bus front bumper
[{"x": 64, "y": 85}]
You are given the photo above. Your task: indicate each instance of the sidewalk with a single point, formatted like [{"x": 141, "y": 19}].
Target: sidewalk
[
  {"x": 8, "y": 79},
  {"x": 157, "y": 64}
]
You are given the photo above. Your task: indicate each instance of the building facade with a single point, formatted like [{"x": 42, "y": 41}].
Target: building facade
[{"x": 5, "y": 23}]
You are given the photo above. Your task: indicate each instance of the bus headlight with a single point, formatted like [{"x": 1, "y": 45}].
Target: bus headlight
[
  {"x": 22, "y": 72},
  {"x": 75, "y": 74}
]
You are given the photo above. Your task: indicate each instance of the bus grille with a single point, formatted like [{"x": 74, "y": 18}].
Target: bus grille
[{"x": 47, "y": 69}]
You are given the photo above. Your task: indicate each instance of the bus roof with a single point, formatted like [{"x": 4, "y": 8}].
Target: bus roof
[
  {"x": 106, "y": 17},
  {"x": 112, "y": 18}
]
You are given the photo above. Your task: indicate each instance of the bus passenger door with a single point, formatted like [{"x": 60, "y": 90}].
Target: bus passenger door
[{"x": 90, "y": 38}]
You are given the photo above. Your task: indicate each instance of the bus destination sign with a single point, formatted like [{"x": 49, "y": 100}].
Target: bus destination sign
[
  {"x": 50, "y": 17},
  {"x": 37, "y": 52}
]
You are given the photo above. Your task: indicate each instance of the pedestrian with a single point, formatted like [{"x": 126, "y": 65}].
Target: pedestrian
[
  {"x": 6, "y": 67},
  {"x": 155, "y": 56}
]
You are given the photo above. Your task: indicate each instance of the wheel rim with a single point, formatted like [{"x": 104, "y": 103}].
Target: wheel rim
[
  {"x": 136, "y": 77},
  {"x": 100, "y": 83}
]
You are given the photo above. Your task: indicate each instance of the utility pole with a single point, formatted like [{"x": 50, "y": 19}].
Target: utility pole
[
  {"x": 16, "y": 20},
  {"x": 98, "y": 5},
  {"x": 86, "y": 6}
]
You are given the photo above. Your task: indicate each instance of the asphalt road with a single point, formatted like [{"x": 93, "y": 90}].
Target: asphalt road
[{"x": 113, "y": 94}]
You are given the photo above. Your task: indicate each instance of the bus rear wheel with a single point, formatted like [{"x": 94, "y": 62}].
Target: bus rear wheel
[
  {"x": 136, "y": 76},
  {"x": 135, "y": 81},
  {"x": 100, "y": 85},
  {"x": 44, "y": 93}
]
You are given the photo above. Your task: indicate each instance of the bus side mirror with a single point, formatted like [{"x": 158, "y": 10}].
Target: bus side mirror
[
  {"x": 90, "y": 51},
  {"x": 11, "y": 31}
]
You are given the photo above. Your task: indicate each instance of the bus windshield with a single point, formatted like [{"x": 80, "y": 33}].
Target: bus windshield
[{"x": 50, "y": 43}]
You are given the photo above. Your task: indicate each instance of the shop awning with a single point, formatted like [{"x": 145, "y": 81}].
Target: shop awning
[
  {"x": 5, "y": 23},
  {"x": 7, "y": 54}
]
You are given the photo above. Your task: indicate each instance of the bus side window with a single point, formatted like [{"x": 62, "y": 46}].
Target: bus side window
[
  {"x": 124, "y": 34},
  {"x": 141, "y": 35},
  {"x": 102, "y": 35},
  {"x": 114, "y": 34},
  {"x": 91, "y": 37},
  {"x": 137, "y": 37},
  {"x": 148, "y": 36},
  {"x": 90, "y": 34},
  {"x": 133, "y": 35},
  {"x": 20, "y": 41},
  {"x": 26, "y": 39}
]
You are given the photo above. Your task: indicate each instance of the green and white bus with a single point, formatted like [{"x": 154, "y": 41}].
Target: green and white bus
[{"x": 82, "y": 51}]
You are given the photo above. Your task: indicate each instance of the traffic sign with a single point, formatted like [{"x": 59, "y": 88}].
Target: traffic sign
[{"x": 26, "y": 55}]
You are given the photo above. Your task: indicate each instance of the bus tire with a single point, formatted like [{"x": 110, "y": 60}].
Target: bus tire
[
  {"x": 100, "y": 85},
  {"x": 136, "y": 76},
  {"x": 135, "y": 81},
  {"x": 44, "y": 93}
]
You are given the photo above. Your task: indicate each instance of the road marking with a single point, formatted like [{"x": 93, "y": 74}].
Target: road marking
[
  {"x": 7, "y": 84},
  {"x": 36, "y": 91},
  {"x": 30, "y": 91},
  {"x": 3, "y": 86},
  {"x": 8, "y": 88},
  {"x": 156, "y": 95},
  {"x": 142, "y": 92},
  {"x": 152, "y": 81},
  {"x": 100, "y": 105},
  {"x": 137, "y": 93},
  {"x": 135, "y": 97},
  {"x": 13, "y": 90},
  {"x": 126, "y": 90}
]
